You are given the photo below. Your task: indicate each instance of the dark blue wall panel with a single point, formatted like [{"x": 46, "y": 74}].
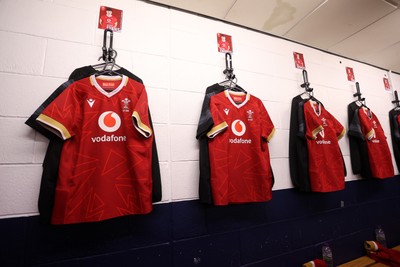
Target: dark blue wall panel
[
  {"x": 212, "y": 250},
  {"x": 286, "y": 231}
]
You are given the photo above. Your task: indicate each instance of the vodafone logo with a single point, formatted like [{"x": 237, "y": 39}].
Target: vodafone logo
[
  {"x": 238, "y": 127},
  {"x": 109, "y": 121}
]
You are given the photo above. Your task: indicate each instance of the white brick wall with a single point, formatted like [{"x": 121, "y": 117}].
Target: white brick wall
[
  {"x": 21, "y": 53},
  {"x": 176, "y": 55}
]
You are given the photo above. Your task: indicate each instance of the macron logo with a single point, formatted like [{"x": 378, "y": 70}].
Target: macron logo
[
  {"x": 226, "y": 111},
  {"x": 90, "y": 102}
]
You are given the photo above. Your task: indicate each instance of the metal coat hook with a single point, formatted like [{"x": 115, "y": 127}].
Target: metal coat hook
[
  {"x": 358, "y": 94},
  {"x": 229, "y": 69},
  {"x": 109, "y": 54},
  {"x": 306, "y": 84},
  {"x": 396, "y": 99}
]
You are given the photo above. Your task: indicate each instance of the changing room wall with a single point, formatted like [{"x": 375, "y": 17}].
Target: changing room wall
[{"x": 175, "y": 53}]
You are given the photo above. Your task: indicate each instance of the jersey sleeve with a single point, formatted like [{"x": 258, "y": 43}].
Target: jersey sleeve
[
  {"x": 60, "y": 115},
  {"x": 267, "y": 127},
  {"x": 340, "y": 130},
  {"x": 367, "y": 129},
  {"x": 32, "y": 120},
  {"x": 205, "y": 121},
  {"x": 312, "y": 125},
  {"x": 140, "y": 115},
  {"x": 219, "y": 123},
  {"x": 379, "y": 125}
]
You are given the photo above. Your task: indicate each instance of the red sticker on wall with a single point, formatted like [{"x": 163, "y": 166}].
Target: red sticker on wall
[
  {"x": 299, "y": 60},
  {"x": 110, "y": 18},
  {"x": 224, "y": 43},
  {"x": 350, "y": 74},
  {"x": 386, "y": 84}
]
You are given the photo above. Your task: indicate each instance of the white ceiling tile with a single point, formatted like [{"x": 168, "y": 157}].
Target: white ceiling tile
[
  {"x": 378, "y": 36},
  {"x": 212, "y": 8},
  {"x": 275, "y": 17},
  {"x": 336, "y": 20},
  {"x": 387, "y": 57}
]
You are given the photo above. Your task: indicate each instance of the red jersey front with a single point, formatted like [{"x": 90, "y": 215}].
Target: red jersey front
[
  {"x": 238, "y": 149},
  {"x": 379, "y": 155},
  {"x": 326, "y": 166},
  {"x": 105, "y": 165}
]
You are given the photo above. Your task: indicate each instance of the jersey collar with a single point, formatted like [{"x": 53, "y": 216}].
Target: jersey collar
[
  {"x": 367, "y": 112},
  {"x": 123, "y": 79},
  {"x": 316, "y": 106},
  {"x": 228, "y": 95}
]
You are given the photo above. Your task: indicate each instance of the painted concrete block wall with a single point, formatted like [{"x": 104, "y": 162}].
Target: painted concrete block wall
[{"x": 175, "y": 53}]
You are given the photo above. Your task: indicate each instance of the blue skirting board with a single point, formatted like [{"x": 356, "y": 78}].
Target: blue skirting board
[{"x": 286, "y": 231}]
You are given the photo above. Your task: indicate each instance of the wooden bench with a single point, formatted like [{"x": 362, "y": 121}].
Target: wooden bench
[{"x": 365, "y": 261}]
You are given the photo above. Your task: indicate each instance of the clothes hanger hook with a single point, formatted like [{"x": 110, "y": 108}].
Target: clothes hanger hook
[{"x": 108, "y": 51}]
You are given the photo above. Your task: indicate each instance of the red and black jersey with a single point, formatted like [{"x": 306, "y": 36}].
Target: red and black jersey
[
  {"x": 238, "y": 149},
  {"x": 105, "y": 166},
  {"x": 53, "y": 153},
  {"x": 378, "y": 150},
  {"x": 358, "y": 146},
  {"x": 326, "y": 166}
]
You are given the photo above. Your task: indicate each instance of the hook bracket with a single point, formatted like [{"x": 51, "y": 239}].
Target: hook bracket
[
  {"x": 306, "y": 84},
  {"x": 396, "y": 100},
  {"x": 358, "y": 94},
  {"x": 228, "y": 67},
  {"x": 109, "y": 54}
]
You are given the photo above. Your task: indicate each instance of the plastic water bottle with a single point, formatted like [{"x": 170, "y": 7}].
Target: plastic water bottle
[
  {"x": 327, "y": 255},
  {"x": 380, "y": 236}
]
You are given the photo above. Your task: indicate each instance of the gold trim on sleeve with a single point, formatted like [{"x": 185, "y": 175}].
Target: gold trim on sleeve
[
  {"x": 54, "y": 126},
  {"x": 370, "y": 134},
  {"x": 316, "y": 131},
  {"x": 140, "y": 126},
  {"x": 269, "y": 137},
  {"x": 342, "y": 134},
  {"x": 217, "y": 129}
]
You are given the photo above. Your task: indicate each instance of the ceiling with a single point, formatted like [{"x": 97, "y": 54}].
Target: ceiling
[{"x": 364, "y": 30}]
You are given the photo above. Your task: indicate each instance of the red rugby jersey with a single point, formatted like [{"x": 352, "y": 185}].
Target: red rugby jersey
[
  {"x": 238, "y": 149},
  {"x": 379, "y": 155},
  {"x": 326, "y": 167},
  {"x": 105, "y": 165}
]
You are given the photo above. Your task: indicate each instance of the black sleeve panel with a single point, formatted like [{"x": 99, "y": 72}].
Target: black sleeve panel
[{"x": 298, "y": 152}]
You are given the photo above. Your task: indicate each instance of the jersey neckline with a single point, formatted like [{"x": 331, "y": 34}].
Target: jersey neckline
[
  {"x": 319, "y": 111},
  {"x": 123, "y": 82},
  {"x": 228, "y": 95},
  {"x": 367, "y": 112}
]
